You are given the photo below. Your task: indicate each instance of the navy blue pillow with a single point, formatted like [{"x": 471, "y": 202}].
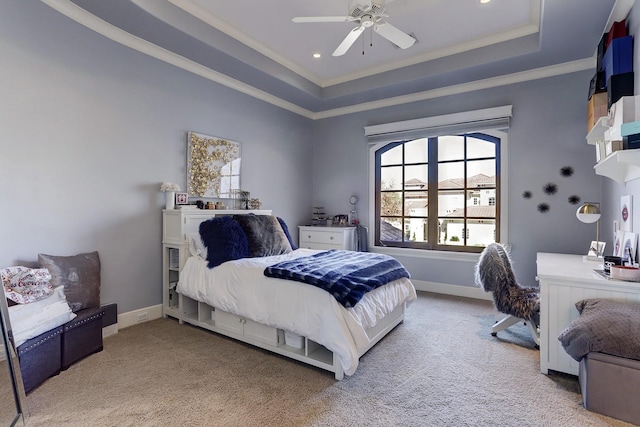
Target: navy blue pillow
[
  {"x": 286, "y": 232},
  {"x": 225, "y": 240}
]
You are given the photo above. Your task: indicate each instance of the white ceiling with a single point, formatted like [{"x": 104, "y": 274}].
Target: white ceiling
[
  {"x": 255, "y": 48},
  {"x": 442, "y": 28}
]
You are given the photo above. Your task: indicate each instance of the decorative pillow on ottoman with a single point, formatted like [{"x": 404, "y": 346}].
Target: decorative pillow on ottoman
[{"x": 80, "y": 276}]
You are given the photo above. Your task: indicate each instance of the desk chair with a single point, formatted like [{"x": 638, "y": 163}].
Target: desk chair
[{"x": 494, "y": 274}]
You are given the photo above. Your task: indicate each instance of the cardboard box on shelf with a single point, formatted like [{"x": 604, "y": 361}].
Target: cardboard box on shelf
[{"x": 596, "y": 108}]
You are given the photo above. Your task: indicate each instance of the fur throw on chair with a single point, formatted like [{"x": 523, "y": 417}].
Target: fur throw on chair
[{"x": 494, "y": 274}]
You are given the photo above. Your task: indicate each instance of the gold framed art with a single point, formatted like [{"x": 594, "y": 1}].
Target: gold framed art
[{"x": 213, "y": 166}]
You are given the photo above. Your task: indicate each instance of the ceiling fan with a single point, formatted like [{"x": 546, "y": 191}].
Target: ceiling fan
[{"x": 367, "y": 14}]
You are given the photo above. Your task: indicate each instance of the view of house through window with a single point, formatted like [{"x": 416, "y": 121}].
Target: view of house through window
[{"x": 438, "y": 193}]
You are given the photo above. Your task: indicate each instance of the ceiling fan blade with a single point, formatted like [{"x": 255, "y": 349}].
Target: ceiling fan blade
[
  {"x": 394, "y": 35},
  {"x": 305, "y": 19},
  {"x": 348, "y": 41}
]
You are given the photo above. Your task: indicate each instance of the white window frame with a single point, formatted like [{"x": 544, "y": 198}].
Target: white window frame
[{"x": 477, "y": 120}]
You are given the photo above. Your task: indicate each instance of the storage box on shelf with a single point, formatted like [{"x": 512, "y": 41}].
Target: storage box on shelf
[
  {"x": 618, "y": 58},
  {"x": 606, "y": 135}
]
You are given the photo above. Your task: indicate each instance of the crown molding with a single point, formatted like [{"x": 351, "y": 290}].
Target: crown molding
[{"x": 81, "y": 16}]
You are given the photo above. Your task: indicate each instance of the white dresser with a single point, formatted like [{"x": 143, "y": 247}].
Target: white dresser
[
  {"x": 565, "y": 280},
  {"x": 327, "y": 238}
]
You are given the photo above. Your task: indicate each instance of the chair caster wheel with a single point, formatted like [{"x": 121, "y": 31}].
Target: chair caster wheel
[{"x": 494, "y": 334}]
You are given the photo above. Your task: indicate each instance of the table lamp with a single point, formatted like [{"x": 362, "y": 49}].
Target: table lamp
[{"x": 589, "y": 213}]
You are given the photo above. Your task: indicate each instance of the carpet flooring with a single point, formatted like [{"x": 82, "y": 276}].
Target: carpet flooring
[{"x": 441, "y": 367}]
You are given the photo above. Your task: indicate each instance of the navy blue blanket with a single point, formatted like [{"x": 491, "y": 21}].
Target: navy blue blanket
[{"x": 346, "y": 275}]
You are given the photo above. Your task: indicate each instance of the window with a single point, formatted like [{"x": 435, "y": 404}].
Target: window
[{"x": 437, "y": 189}]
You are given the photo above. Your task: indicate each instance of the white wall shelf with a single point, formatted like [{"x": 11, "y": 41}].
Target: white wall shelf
[
  {"x": 621, "y": 166},
  {"x": 596, "y": 134}
]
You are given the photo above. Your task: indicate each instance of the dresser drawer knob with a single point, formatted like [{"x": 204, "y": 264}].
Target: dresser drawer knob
[{"x": 331, "y": 238}]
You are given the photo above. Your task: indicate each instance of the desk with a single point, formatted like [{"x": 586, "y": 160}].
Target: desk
[{"x": 565, "y": 280}]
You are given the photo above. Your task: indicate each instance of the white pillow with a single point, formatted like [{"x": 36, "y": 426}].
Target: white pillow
[
  {"x": 196, "y": 246},
  {"x": 30, "y": 320}
]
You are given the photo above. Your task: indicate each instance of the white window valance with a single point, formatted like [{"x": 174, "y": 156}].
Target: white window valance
[{"x": 457, "y": 123}]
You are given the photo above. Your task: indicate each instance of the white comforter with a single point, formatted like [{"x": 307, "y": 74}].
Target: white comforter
[{"x": 240, "y": 287}]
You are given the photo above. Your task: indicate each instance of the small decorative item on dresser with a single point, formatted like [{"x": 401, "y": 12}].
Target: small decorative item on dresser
[
  {"x": 170, "y": 189},
  {"x": 255, "y": 203},
  {"x": 182, "y": 198},
  {"x": 210, "y": 205}
]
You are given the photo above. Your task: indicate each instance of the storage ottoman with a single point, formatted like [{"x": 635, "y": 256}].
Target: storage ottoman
[
  {"x": 610, "y": 386},
  {"x": 39, "y": 358},
  {"x": 82, "y": 336}
]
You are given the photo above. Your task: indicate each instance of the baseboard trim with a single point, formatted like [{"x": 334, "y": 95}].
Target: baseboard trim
[
  {"x": 456, "y": 290},
  {"x": 139, "y": 316}
]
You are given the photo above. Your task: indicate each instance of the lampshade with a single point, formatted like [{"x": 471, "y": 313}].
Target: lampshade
[{"x": 588, "y": 212}]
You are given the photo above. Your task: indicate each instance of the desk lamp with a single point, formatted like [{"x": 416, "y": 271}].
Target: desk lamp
[{"x": 589, "y": 213}]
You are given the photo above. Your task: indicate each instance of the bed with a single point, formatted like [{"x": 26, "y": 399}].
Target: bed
[{"x": 234, "y": 297}]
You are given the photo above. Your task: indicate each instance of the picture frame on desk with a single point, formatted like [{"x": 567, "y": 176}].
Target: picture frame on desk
[
  {"x": 630, "y": 243},
  {"x": 596, "y": 249}
]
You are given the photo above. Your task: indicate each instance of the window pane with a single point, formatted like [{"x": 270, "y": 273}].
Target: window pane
[
  {"x": 392, "y": 156},
  {"x": 451, "y": 204},
  {"x": 416, "y": 177},
  {"x": 477, "y": 148},
  {"x": 415, "y": 229},
  {"x": 390, "y": 230},
  {"x": 451, "y": 175},
  {"x": 481, "y": 173},
  {"x": 390, "y": 203},
  {"x": 415, "y": 203},
  {"x": 481, "y": 232},
  {"x": 416, "y": 151},
  {"x": 450, "y": 148},
  {"x": 451, "y": 232},
  {"x": 481, "y": 203},
  {"x": 391, "y": 178}
]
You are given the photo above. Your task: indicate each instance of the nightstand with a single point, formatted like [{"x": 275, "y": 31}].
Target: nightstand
[{"x": 317, "y": 237}]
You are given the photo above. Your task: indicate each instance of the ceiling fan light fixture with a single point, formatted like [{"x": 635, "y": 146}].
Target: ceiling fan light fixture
[{"x": 366, "y": 14}]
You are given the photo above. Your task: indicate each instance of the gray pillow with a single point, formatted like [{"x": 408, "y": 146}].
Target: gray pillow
[
  {"x": 604, "y": 326},
  {"x": 80, "y": 276},
  {"x": 264, "y": 234}
]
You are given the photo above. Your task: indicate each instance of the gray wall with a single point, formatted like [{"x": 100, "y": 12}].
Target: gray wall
[
  {"x": 88, "y": 131},
  {"x": 547, "y": 132}
]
